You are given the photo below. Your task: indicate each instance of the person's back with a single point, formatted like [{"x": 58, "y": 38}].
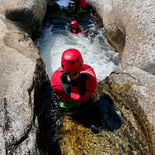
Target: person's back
[
  {"x": 82, "y": 4},
  {"x": 74, "y": 82},
  {"x": 74, "y": 28}
]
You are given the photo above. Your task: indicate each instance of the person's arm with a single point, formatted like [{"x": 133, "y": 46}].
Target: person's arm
[
  {"x": 59, "y": 69},
  {"x": 91, "y": 77},
  {"x": 82, "y": 31}
]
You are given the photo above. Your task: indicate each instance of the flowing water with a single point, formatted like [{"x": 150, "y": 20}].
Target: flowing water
[
  {"x": 95, "y": 50},
  {"x": 94, "y": 47}
]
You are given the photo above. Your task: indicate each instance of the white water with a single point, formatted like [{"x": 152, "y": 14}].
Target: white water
[
  {"x": 63, "y": 2},
  {"x": 54, "y": 42}
]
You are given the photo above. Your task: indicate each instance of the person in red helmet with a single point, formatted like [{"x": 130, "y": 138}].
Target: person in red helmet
[
  {"x": 74, "y": 28},
  {"x": 73, "y": 82},
  {"x": 79, "y": 4}
]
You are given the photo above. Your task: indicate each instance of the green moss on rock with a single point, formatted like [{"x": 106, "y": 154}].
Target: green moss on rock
[{"x": 120, "y": 89}]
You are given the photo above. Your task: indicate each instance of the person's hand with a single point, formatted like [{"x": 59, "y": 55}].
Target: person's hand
[
  {"x": 59, "y": 69},
  {"x": 88, "y": 72}
]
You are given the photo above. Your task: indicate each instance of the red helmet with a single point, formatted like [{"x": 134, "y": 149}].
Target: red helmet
[
  {"x": 71, "y": 60},
  {"x": 69, "y": 3},
  {"x": 74, "y": 24}
]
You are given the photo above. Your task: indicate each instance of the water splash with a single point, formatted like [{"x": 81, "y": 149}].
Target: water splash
[
  {"x": 94, "y": 47},
  {"x": 92, "y": 54}
]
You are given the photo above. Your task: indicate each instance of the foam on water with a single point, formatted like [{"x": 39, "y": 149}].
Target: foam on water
[{"x": 52, "y": 45}]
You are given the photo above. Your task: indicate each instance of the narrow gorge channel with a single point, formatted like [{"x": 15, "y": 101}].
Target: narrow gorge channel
[
  {"x": 54, "y": 40},
  {"x": 59, "y": 132}
]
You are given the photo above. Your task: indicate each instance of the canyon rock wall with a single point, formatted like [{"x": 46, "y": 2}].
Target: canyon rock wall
[
  {"x": 22, "y": 73},
  {"x": 129, "y": 27}
]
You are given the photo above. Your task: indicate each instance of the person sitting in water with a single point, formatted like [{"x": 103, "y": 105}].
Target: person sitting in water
[
  {"x": 73, "y": 82},
  {"x": 74, "y": 28},
  {"x": 79, "y": 4}
]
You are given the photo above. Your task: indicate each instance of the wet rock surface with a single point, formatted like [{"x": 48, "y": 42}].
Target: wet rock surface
[{"x": 131, "y": 85}]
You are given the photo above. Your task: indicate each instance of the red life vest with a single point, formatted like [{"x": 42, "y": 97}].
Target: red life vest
[
  {"x": 78, "y": 92},
  {"x": 77, "y": 31}
]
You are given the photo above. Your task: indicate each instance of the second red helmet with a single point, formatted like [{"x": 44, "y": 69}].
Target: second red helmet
[
  {"x": 71, "y": 60},
  {"x": 73, "y": 24}
]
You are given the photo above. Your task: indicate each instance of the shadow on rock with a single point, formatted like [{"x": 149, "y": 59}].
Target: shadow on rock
[
  {"x": 48, "y": 119},
  {"x": 25, "y": 19},
  {"x": 99, "y": 115},
  {"x": 107, "y": 110}
]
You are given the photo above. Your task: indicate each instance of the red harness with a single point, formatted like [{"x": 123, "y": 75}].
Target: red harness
[
  {"x": 75, "y": 30},
  {"x": 74, "y": 92}
]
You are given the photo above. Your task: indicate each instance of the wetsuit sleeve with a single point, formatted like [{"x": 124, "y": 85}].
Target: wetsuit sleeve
[
  {"x": 55, "y": 80},
  {"x": 91, "y": 77}
]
